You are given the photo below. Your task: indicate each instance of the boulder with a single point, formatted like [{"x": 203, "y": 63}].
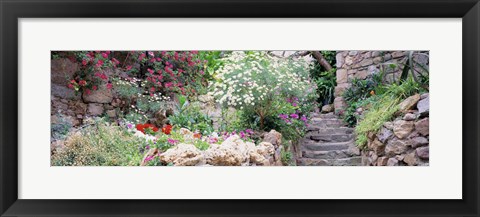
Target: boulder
[
  {"x": 183, "y": 155},
  {"x": 95, "y": 109},
  {"x": 384, "y": 134},
  {"x": 382, "y": 161},
  {"x": 395, "y": 147},
  {"x": 232, "y": 152},
  {"x": 409, "y": 103},
  {"x": 273, "y": 137},
  {"x": 392, "y": 162},
  {"x": 422, "y": 126},
  {"x": 410, "y": 159},
  {"x": 102, "y": 95},
  {"x": 409, "y": 117},
  {"x": 423, "y": 152},
  {"x": 377, "y": 147},
  {"x": 62, "y": 69},
  {"x": 418, "y": 141},
  {"x": 423, "y": 106},
  {"x": 112, "y": 113},
  {"x": 327, "y": 108},
  {"x": 402, "y": 128}
]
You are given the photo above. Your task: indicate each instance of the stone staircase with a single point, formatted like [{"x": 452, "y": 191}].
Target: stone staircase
[{"x": 328, "y": 142}]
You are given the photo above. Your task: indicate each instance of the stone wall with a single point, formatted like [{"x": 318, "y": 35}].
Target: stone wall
[
  {"x": 404, "y": 141},
  {"x": 362, "y": 64}
]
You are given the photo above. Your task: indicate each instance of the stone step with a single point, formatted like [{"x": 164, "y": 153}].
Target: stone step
[
  {"x": 325, "y": 146},
  {"x": 351, "y": 161},
  {"x": 343, "y": 137},
  {"x": 324, "y": 154},
  {"x": 330, "y": 131},
  {"x": 328, "y": 115}
]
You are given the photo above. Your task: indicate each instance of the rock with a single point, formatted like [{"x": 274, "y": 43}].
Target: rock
[
  {"x": 183, "y": 155},
  {"x": 95, "y": 109},
  {"x": 78, "y": 107},
  {"x": 261, "y": 154},
  {"x": 402, "y": 128},
  {"x": 388, "y": 125},
  {"x": 423, "y": 106},
  {"x": 101, "y": 95},
  {"x": 339, "y": 104},
  {"x": 422, "y": 126},
  {"x": 112, "y": 113},
  {"x": 187, "y": 134},
  {"x": 362, "y": 74},
  {"x": 410, "y": 159},
  {"x": 327, "y": 108},
  {"x": 409, "y": 103},
  {"x": 63, "y": 92},
  {"x": 57, "y": 146},
  {"x": 392, "y": 162},
  {"x": 418, "y": 141},
  {"x": 265, "y": 148},
  {"x": 232, "y": 152},
  {"x": 409, "y": 117},
  {"x": 423, "y": 152},
  {"x": 150, "y": 154},
  {"x": 62, "y": 69},
  {"x": 378, "y": 147},
  {"x": 382, "y": 161},
  {"x": 340, "y": 89},
  {"x": 424, "y": 95},
  {"x": 384, "y": 134},
  {"x": 273, "y": 137},
  {"x": 160, "y": 118},
  {"x": 342, "y": 76},
  {"x": 340, "y": 60},
  {"x": 395, "y": 147}
]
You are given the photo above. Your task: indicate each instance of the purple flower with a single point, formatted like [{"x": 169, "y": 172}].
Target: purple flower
[
  {"x": 283, "y": 116},
  {"x": 249, "y": 131},
  {"x": 149, "y": 158},
  {"x": 172, "y": 141},
  {"x": 303, "y": 118},
  {"x": 242, "y": 134},
  {"x": 147, "y": 147},
  {"x": 294, "y": 104},
  {"x": 129, "y": 126},
  {"x": 294, "y": 116}
]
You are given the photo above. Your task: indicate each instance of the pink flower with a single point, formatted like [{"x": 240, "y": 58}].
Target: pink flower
[
  {"x": 82, "y": 83},
  {"x": 109, "y": 86},
  {"x": 104, "y": 55},
  {"x": 172, "y": 141},
  {"x": 94, "y": 87},
  {"x": 99, "y": 63},
  {"x": 84, "y": 62},
  {"x": 87, "y": 91},
  {"x": 150, "y": 71},
  {"x": 70, "y": 86},
  {"x": 128, "y": 68}
]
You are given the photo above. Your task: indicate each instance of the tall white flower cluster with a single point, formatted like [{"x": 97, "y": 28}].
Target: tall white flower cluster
[{"x": 255, "y": 78}]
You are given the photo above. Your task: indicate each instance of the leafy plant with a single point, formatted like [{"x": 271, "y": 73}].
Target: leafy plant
[{"x": 189, "y": 116}]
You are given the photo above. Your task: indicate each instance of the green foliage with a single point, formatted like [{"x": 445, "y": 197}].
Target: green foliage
[
  {"x": 60, "y": 129},
  {"x": 190, "y": 116},
  {"x": 101, "y": 145},
  {"x": 326, "y": 83},
  {"x": 382, "y": 108},
  {"x": 255, "y": 82}
]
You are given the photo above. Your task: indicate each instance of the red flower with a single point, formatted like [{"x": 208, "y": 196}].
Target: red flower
[
  {"x": 82, "y": 83},
  {"x": 104, "y": 55},
  {"x": 84, "y": 62},
  {"x": 94, "y": 87},
  {"x": 143, "y": 127},
  {"x": 87, "y": 91},
  {"x": 109, "y": 86},
  {"x": 197, "y": 135},
  {"x": 167, "y": 129}
]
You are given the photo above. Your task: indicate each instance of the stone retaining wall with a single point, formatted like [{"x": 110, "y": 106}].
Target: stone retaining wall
[{"x": 362, "y": 64}]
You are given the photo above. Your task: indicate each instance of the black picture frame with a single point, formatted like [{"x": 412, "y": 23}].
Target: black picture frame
[{"x": 12, "y": 10}]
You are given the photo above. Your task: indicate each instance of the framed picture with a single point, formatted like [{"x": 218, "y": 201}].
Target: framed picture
[{"x": 203, "y": 108}]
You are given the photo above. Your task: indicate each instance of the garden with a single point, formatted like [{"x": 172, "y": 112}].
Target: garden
[{"x": 235, "y": 108}]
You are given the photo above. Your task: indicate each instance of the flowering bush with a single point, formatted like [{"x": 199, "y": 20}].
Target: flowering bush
[{"x": 258, "y": 83}]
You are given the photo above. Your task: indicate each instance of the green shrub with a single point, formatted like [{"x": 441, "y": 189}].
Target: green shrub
[
  {"x": 101, "y": 145},
  {"x": 190, "y": 116}
]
